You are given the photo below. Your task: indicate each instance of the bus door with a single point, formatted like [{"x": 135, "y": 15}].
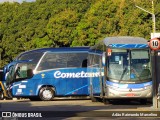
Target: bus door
[
  {"x": 21, "y": 72},
  {"x": 96, "y": 80},
  {"x": 3, "y": 87},
  {"x": 102, "y": 60}
]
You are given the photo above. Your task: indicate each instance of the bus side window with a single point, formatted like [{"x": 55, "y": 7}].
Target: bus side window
[
  {"x": 43, "y": 66},
  {"x": 84, "y": 63}
]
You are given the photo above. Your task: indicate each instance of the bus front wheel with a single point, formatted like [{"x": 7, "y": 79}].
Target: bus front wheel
[
  {"x": 1, "y": 95},
  {"x": 46, "y": 93}
]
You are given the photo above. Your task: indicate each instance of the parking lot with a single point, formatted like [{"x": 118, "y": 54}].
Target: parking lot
[{"x": 77, "y": 108}]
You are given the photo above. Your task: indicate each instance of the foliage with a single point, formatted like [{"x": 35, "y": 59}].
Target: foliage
[{"x": 58, "y": 23}]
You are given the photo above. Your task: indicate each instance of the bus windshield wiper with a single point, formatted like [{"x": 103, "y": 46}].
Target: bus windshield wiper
[{"x": 124, "y": 71}]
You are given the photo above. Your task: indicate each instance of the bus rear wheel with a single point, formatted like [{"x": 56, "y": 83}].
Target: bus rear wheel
[
  {"x": 143, "y": 101},
  {"x": 46, "y": 93},
  {"x": 94, "y": 99},
  {"x": 106, "y": 101}
]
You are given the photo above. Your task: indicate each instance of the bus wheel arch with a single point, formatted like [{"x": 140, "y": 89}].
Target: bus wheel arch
[{"x": 46, "y": 93}]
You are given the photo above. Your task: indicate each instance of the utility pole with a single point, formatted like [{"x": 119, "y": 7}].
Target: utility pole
[
  {"x": 153, "y": 58},
  {"x": 153, "y": 16},
  {"x": 153, "y": 19}
]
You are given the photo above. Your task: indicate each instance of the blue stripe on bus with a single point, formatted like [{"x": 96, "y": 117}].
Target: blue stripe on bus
[
  {"x": 76, "y": 89},
  {"x": 128, "y": 45},
  {"x": 120, "y": 85}
]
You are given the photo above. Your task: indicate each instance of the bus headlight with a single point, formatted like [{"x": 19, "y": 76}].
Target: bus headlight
[{"x": 148, "y": 87}]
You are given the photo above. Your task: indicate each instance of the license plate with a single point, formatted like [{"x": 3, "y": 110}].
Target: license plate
[{"x": 130, "y": 95}]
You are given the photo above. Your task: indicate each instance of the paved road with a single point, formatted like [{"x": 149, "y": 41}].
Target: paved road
[
  {"x": 71, "y": 105},
  {"x": 85, "y": 109}
]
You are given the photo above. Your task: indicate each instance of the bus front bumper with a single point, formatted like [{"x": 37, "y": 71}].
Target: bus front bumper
[{"x": 113, "y": 92}]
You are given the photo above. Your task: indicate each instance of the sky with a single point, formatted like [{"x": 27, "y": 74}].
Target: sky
[{"x": 20, "y": 1}]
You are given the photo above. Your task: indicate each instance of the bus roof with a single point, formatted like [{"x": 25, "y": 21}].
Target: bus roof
[
  {"x": 124, "y": 40},
  {"x": 61, "y": 49}
]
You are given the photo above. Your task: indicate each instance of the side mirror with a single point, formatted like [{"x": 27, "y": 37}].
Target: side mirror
[
  {"x": 104, "y": 59},
  {"x": 6, "y": 69},
  {"x": 29, "y": 73}
]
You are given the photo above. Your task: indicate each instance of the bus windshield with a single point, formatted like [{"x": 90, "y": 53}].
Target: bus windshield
[
  {"x": 10, "y": 75},
  {"x": 129, "y": 65},
  {"x": 19, "y": 71},
  {"x": 32, "y": 56}
]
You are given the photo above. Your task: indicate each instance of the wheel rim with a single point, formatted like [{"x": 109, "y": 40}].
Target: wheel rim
[{"x": 47, "y": 94}]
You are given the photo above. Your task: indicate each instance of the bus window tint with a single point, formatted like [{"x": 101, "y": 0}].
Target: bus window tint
[
  {"x": 140, "y": 63},
  {"x": 118, "y": 65},
  {"x": 31, "y": 56},
  {"x": 53, "y": 60},
  {"x": 139, "y": 54},
  {"x": 10, "y": 75},
  {"x": 77, "y": 60},
  {"x": 35, "y": 57},
  {"x": 62, "y": 60}
]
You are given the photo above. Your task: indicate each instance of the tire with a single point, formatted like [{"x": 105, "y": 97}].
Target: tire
[
  {"x": 143, "y": 101},
  {"x": 105, "y": 101},
  {"x": 94, "y": 99},
  {"x": 46, "y": 93},
  {"x": 1, "y": 95},
  {"x": 34, "y": 99},
  {"x": 9, "y": 94}
]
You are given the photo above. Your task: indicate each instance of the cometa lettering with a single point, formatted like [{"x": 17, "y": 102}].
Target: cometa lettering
[{"x": 82, "y": 74}]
